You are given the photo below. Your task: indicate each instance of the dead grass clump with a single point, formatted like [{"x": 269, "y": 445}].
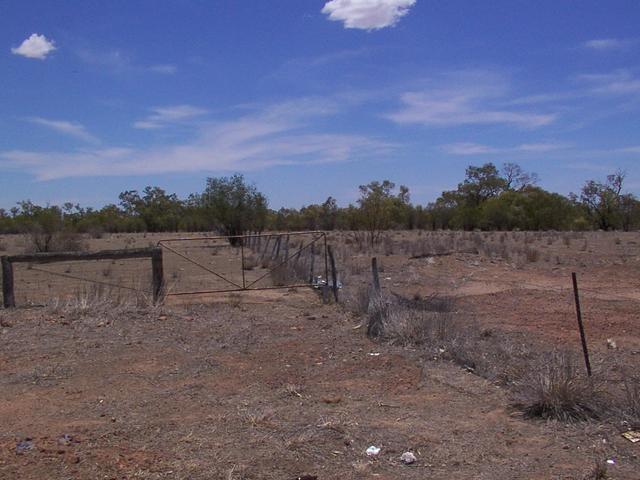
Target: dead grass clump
[
  {"x": 378, "y": 315},
  {"x": 3, "y": 246},
  {"x": 532, "y": 255},
  {"x": 356, "y": 299},
  {"x": 554, "y": 390},
  {"x": 422, "y": 328},
  {"x": 598, "y": 471},
  {"x": 631, "y": 405},
  {"x": 251, "y": 262}
]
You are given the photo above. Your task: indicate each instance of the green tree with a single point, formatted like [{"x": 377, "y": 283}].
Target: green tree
[
  {"x": 378, "y": 203},
  {"x": 602, "y": 201},
  {"x": 233, "y": 206}
]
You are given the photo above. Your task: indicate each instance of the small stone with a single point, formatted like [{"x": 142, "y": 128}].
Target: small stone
[
  {"x": 24, "y": 446},
  {"x": 408, "y": 458},
  {"x": 373, "y": 451}
]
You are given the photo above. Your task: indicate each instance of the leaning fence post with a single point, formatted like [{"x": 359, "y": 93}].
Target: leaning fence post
[
  {"x": 157, "y": 274},
  {"x": 334, "y": 275},
  {"x": 8, "y": 297},
  {"x": 580, "y": 325}
]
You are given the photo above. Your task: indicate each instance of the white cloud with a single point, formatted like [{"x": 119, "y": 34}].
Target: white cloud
[
  {"x": 68, "y": 128},
  {"x": 468, "y": 148},
  {"x": 165, "y": 116},
  {"x": 36, "y": 46},
  {"x": 607, "y": 44},
  {"x": 367, "y": 14},
  {"x": 465, "y": 98},
  {"x": 277, "y": 135},
  {"x": 616, "y": 83}
]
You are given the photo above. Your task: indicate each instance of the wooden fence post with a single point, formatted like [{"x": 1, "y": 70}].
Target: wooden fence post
[
  {"x": 375, "y": 323},
  {"x": 157, "y": 273},
  {"x": 583, "y": 338},
  {"x": 376, "y": 276},
  {"x": 8, "y": 297},
  {"x": 334, "y": 274},
  {"x": 275, "y": 251},
  {"x": 313, "y": 261}
]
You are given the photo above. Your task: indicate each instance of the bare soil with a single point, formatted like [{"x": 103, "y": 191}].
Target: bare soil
[{"x": 276, "y": 385}]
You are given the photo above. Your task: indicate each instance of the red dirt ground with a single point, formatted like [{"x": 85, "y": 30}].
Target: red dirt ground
[
  {"x": 279, "y": 386},
  {"x": 272, "y": 390}
]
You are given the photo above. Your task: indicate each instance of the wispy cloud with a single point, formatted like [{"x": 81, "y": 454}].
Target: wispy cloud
[
  {"x": 465, "y": 98},
  {"x": 469, "y": 148},
  {"x": 633, "y": 149},
  {"x": 607, "y": 44},
  {"x": 165, "y": 116},
  {"x": 165, "y": 69},
  {"x": 367, "y": 14},
  {"x": 36, "y": 46},
  {"x": 72, "y": 129},
  {"x": 120, "y": 62},
  {"x": 275, "y": 135},
  {"x": 619, "y": 82}
]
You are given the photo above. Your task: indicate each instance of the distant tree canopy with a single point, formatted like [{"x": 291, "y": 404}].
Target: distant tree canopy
[
  {"x": 233, "y": 207},
  {"x": 488, "y": 198}
]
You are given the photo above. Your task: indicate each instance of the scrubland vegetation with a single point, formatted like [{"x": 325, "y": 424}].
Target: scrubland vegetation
[{"x": 487, "y": 199}]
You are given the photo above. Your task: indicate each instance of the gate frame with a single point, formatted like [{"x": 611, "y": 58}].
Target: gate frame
[
  {"x": 318, "y": 234},
  {"x": 155, "y": 253}
]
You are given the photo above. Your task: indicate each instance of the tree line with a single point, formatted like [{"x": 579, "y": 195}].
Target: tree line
[{"x": 488, "y": 198}]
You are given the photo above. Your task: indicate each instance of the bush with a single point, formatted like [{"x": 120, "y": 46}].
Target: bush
[{"x": 40, "y": 242}]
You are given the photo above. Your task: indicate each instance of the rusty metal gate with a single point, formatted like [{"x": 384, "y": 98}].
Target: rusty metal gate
[{"x": 204, "y": 264}]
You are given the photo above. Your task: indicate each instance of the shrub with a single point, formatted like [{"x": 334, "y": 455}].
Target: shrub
[{"x": 41, "y": 242}]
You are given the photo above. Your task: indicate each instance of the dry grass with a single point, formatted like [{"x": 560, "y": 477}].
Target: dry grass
[
  {"x": 98, "y": 300},
  {"x": 555, "y": 390},
  {"x": 546, "y": 384},
  {"x": 251, "y": 262},
  {"x": 631, "y": 406},
  {"x": 598, "y": 471}
]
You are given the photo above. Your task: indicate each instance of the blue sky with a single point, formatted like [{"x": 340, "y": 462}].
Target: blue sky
[{"x": 312, "y": 98}]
